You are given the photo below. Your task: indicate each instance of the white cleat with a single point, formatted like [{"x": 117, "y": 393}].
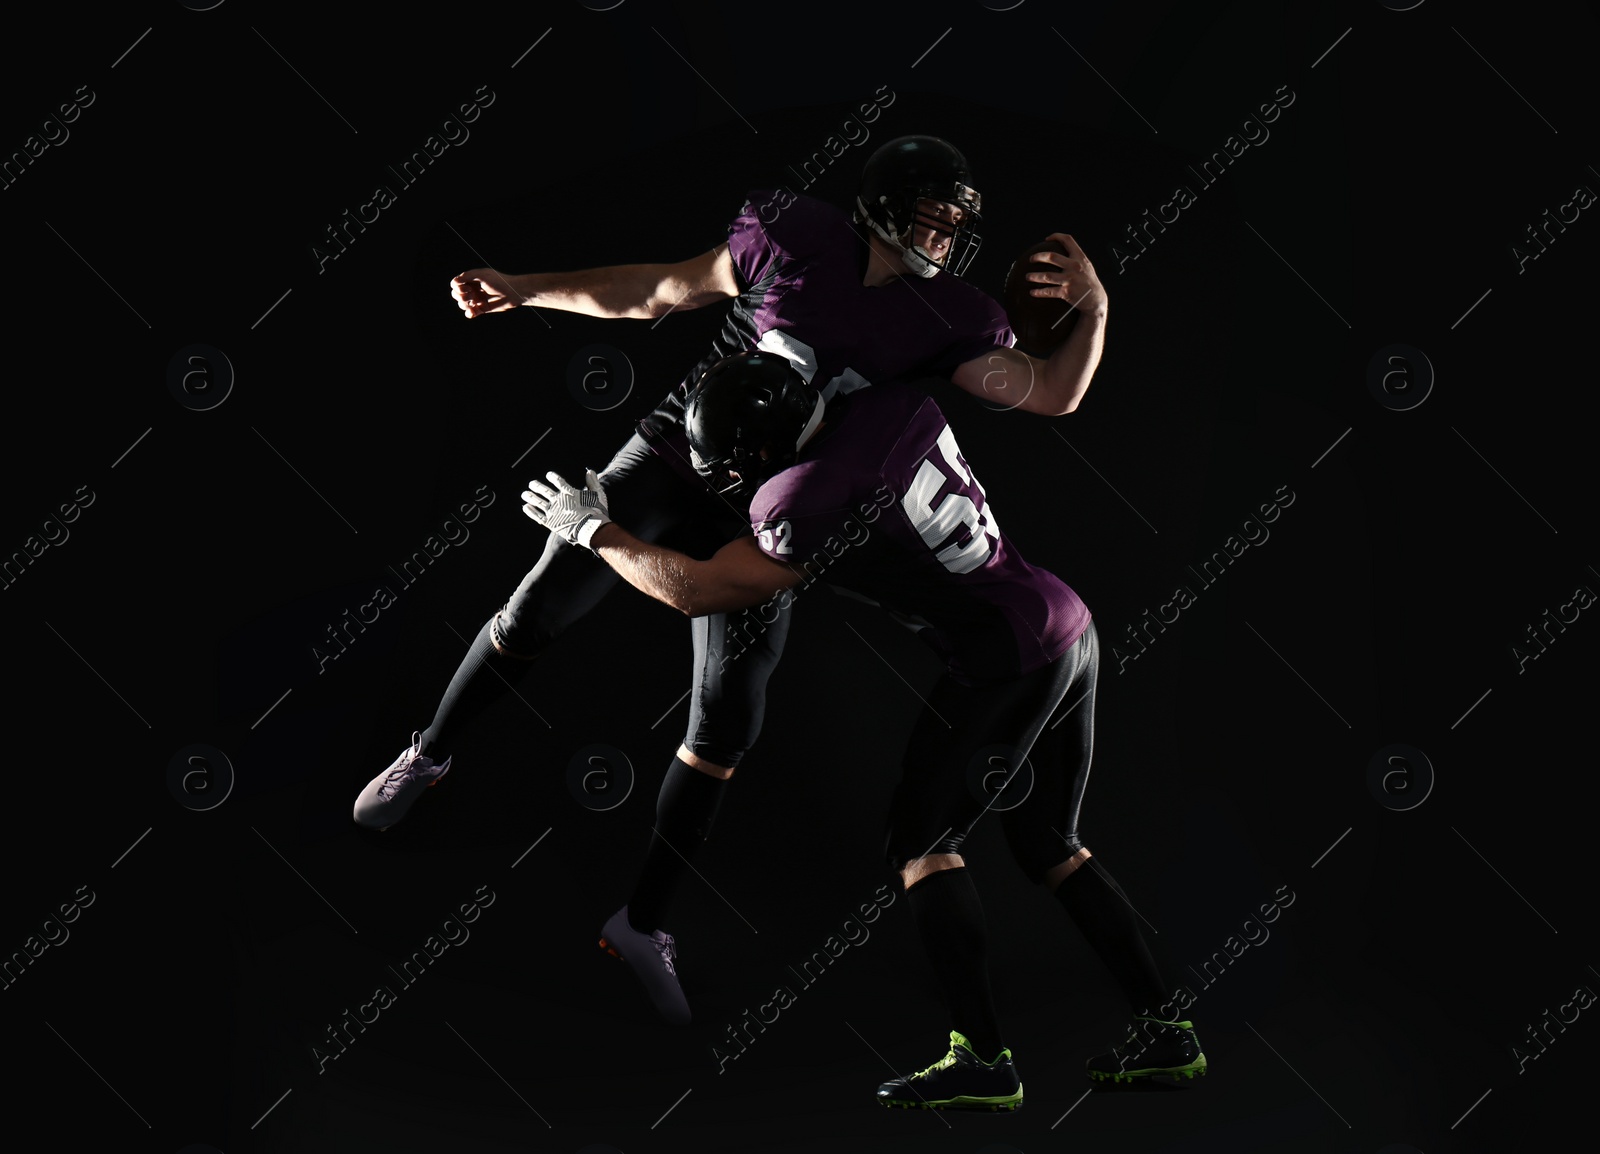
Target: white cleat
[{"x": 389, "y": 795}]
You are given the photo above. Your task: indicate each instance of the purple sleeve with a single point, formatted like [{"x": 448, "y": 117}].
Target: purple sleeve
[
  {"x": 779, "y": 224},
  {"x": 803, "y": 513},
  {"x": 988, "y": 327},
  {"x": 752, "y": 249}
]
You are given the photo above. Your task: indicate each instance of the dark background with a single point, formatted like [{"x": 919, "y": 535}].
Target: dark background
[{"x": 1233, "y": 753}]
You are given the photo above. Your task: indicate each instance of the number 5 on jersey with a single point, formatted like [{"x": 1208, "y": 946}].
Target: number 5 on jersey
[{"x": 935, "y": 522}]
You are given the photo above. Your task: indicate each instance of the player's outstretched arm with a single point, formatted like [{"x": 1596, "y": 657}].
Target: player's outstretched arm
[
  {"x": 636, "y": 291},
  {"x": 1050, "y": 387},
  {"x": 738, "y": 576}
]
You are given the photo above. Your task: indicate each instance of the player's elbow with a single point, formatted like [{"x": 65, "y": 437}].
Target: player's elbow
[
  {"x": 706, "y": 606},
  {"x": 692, "y": 285},
  {"x": 689, "y": 602},
  {"x": 1044, "y": 407},
  {"x": 706, "y": 600},
  {"x": 668, "y": 301},
  {"x": 657, "y": 305},
  {"x": 698, "y": 600},
  {"x": 1064, "y": 401}
]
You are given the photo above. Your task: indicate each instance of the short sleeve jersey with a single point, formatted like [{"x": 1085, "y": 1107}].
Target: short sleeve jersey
[
  {"x": 800, "y": 263},
  {"x": 883, "y": 504}
]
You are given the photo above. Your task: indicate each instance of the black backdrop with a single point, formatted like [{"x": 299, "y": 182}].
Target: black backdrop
[{"x": 1431, "y": 910}]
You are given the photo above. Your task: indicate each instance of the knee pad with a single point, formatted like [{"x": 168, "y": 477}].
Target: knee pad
[
  {"x": 497, "y": 636},
  {"x": 1037, "y": 852},
  {"x": 722, "y": 730},
  {"x": 901, "y": 847},
  {"x": 727, "y": 756}
]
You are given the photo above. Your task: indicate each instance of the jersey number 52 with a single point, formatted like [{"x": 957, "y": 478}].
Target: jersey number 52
[
  {"x": 782, "y": 532},
  {"x": 936, "y": 517}
]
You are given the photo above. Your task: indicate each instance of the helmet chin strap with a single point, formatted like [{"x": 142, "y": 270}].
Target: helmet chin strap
[
  {"x": 919, "y": 261},
  {"x": 916, "y": 259}
]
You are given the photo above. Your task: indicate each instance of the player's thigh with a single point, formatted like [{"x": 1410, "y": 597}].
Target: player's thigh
[
  {"x": 1044, "y": 830},
  {"x": 967, "y": 743},
  {"x": 646, "y": 496},
  {"x": 734, "y": 656}
]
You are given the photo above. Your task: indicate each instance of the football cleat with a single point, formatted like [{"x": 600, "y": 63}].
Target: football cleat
[
  {"x": 651, "y": 957},
  {"x": 1153, "y": 1047},
  {"x": 958, "y": 1081},
  {"x": 390, "y": 794}
]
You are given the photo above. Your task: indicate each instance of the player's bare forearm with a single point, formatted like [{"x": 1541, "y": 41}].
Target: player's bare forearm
[
  {"x": 1054, "y": 386},
  {"x": 656, "y": 572},
  {"x": 632, "y": 291},
  {"x": 626, "y": 291},
  {"x": 1071, "y": 366},
  {"x": 738, "y": 577},
  {"x": 1048, "y": 388}
]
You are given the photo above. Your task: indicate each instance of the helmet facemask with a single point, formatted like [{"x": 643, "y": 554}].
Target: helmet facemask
[
  {"x": 898, "y": 219},
  {"x": 737, "y": 472}
]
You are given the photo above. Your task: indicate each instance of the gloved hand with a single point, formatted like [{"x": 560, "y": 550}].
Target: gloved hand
[{"x": 571, "y": 513}]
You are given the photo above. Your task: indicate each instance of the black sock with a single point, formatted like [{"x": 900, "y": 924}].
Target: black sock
[
  {"x": 484, "y": 675},
  {"x": 949, "y": 918},
  {"x": 685, "y": 809},
  {"x": 1108, "y": 922}
]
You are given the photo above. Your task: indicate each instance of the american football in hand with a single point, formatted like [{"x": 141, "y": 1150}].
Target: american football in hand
[{"x": 1041, "y": 323}]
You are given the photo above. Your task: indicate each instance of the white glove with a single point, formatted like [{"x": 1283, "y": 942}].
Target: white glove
[{"x": 571, "y": 513}]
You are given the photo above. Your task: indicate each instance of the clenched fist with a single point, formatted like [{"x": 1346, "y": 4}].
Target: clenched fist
[{"x": 484, "y": 290}]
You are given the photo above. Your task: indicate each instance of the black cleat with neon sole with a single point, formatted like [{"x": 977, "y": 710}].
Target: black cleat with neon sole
[
  {"x": 958, "y": 1081},
  {"x": 1153, "y": 1048}
]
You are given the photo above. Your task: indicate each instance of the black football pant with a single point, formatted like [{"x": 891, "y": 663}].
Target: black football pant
[
  {"x": 734, "y": 653},
  {"x": 981, "y": 749},
  {"x": 968, "y": 742}
]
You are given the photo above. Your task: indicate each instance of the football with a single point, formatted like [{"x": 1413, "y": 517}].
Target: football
[{"x": 1041, "y": 323}]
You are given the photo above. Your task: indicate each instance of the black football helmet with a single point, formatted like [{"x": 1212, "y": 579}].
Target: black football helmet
[
  {"x": 744, "y": 404},
  {"x": 906, "y": 170}
]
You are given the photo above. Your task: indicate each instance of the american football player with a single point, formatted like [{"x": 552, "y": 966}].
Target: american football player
[
  {"x": 845, "y": 298},
  {"x": 870, "y": 492}
]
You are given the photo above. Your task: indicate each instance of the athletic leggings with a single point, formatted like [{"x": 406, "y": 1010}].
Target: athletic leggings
[
  {"x": 972, "y": 739},
  {"x": 734, "y": 653}
]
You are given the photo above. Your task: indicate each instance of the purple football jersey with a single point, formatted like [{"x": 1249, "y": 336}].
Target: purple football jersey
[
  {"x": 883, "y": 505},
  {"x": 800, "y": 262}
]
